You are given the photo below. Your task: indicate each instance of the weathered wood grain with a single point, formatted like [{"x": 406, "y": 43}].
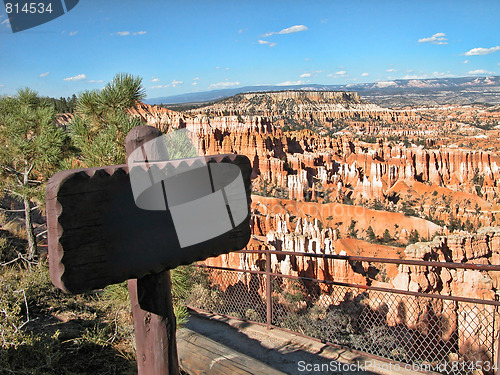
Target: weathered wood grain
[
  {"x": 156, "y": 345},
  {"x": 98, "y": 236},
  {"x": 200, "y": 355}
]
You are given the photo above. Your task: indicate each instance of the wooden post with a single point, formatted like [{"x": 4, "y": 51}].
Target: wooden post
[
  {"x": 151, "y": 300},
  {"x": 156, "y": 347}
]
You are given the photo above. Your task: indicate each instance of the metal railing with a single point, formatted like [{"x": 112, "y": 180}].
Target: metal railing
[{"x": 433, "y": 332}]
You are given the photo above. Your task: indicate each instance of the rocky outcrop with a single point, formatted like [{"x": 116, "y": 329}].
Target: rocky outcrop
[
  {"x": 439, "y": 321},
  {"x": 323, "y": 107},
  {"x": 304, "y": 166},
  {"x": 161, "y": 118},
  {"x": 468, "y": 321}
]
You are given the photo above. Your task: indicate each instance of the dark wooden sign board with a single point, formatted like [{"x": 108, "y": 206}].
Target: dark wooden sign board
[{"x": 98, "y": 236}]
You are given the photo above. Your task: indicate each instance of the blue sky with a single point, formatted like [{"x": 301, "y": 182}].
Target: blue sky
[{"x": 187, "y": 46}]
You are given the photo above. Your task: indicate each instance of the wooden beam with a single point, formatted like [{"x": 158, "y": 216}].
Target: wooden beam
[{"x": 200, "y": 355}]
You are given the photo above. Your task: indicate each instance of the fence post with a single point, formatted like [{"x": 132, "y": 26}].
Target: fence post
[
  {"x": 269, "y": 303},
  {"x": 496, "y": 340}
]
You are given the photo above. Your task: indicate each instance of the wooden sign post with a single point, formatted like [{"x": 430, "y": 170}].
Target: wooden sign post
[{"x": 98, "y": 235}]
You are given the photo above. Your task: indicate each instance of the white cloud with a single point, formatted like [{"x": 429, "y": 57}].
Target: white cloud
[
  {"x": 194, "y": 83},
  {"x": 270, "y": 44},
  {"x": 478, "y": 71},
  {"x": 482, "y": 51},
  {"x": 466, "y": 61},
  {"x": 293, "y": 29},
  {"x": 44, "y": 74},
  {"x": 96, "y": 81},
  {"x": 390, "y": 70},
  {"x": 438, "y": 38},
  {"x": 127, "y": 33},
  {"x": 311, "y": 73},
  {"x": 441, "y": 74},
  {"x": 426, "y": 76},
  {"x": 364, "y": 75},
  {"x": 339, "y": 73},
  {"x": 2, "y": 85},
  {"x": 174, "y": 83},
  {"x": 221, "y": 85},
  {"x": 196, "y": 79},
  {"x": 78, "y": 77},
  {"x": 290, "y": 83},
  {"x": 289, "y": 30},
  {"x": 73, "y": 33}
]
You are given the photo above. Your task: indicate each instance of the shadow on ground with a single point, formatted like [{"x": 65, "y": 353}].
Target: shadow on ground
[{"x": 277, "y": 353}]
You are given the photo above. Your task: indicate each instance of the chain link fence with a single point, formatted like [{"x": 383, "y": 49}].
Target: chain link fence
[{"x": 435, "y": 334}]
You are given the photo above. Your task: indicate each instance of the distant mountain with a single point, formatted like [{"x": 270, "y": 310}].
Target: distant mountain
[
  {"x": 317, "y": 110},
  {"x": 394, "y": 93}
]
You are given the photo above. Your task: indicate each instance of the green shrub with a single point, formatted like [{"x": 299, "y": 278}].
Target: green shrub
[
  {"x": 372, "y": 237},
  {"x": 414, "y": 236},
  {"x": 203, "y": 298}
]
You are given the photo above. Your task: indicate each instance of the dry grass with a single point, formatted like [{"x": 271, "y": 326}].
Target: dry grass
[{"x": 46, "y": 331}]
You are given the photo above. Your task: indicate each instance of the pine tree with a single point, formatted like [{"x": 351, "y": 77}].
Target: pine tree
[
  {"x": 387, "y": 236},
  {"x": 414, "y": 236},
  {"x": 371, "y": 234},
  {"x": 101, "y": 121},
  {"x": 352, "y": 231},
  {"x": 31, "y": 149}
]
